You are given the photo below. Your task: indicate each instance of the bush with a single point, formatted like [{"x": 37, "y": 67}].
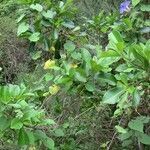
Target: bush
[{"x": 91, "y": 96}]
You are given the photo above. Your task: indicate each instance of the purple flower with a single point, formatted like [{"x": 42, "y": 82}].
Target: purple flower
[{"x": 124, "y": 6}]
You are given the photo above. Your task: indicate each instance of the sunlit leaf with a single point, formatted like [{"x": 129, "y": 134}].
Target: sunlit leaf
[
  {"x": 16, "y": 124},
  {"x": 37, "y": 7},
  {"x": 135, "y": 2},
  {"x": 120, "y": 129},
  {"x": 22, "y": 28},
  {"x": 34, "y": 37},
  {"x": 112, "y": 95}
]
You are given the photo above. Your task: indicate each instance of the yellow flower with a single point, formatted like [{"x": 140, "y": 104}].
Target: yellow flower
[
  {"x": 52, "y": 49},
  {"x": 73, "y": 65},
  {"x": 49, "y": 64},
  {"x": 54, "y": 89}
]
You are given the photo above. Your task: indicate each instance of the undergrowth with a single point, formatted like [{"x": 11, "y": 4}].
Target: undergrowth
[{"x": 72, "y": 78}]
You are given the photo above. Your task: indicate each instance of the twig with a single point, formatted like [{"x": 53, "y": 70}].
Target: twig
[
  {"x": 84, "y": 112},
  {"x": 114, "y": 135}
]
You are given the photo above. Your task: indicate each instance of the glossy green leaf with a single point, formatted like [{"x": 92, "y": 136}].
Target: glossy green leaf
[
  {"x": 86, "y": 56},
  {"x": 90, "y": 86},
  {"x": 20, "y": 18},
  {"x": 107, "y": 78},
  {"x": 34, "y": 37},
  {"x": 69, "y": 46},
  {"x": 56, "y": 34},
  {"x": 112, "y": 95},
  {"x": 115, "y": 37},
  {"x": 22, "y": 28},
  {"x": 135, "y": 2},
  {"x": 109, "y": 53},
  {"x": 16, "y": 124},
  {"x": 49, "y": 14},
  {"x": 136, "y": 98},
  {"x": 80, "y": 77},
  {"x": 76, "y": 55},
  {"x": 69, "y": 25},
  {"x": 48, "y": 77},
  {"x": 36, "y": 55},
  {"x": 49, "y": 143},
  {"x": 37, "y": 7},
  {"x": 120, "y": 129},
  {"x": 9, "y": 93}
]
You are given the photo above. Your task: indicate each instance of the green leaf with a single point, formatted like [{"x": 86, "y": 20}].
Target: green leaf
[
  {"x": 34, "y": 37},
  {"x": 120, "y": 129},
  {"x": 115, "y": 37},
  {"x": 14, "y": 90},
  {"x": 49, "y": 14},
  {"x": 61, "y": 4},
  {"x": 31, "y": 137},
  {"x": 90, "y": 86},
  {"x": 49, "y": 122},
  {"x": 143, "y": 119},
  {"x": 116, "y": 41},
  {"x": 145, "y": 30},
  {"x": 79, "y": 77},
  {"x": 76, "y": 55},
  {"x": 49, "y": 143},
  {"x": 124, "y": 68},
  {"x": 86, "y": 56},
  {"x": 109, "y": 53},
  {"x": 127, "y": 143},
  {"x": 145, "y": 8},
  {"x": 4, "y": 123},
  {"x": 135, "y": 2},
  {"x": 4, "y": 95},
  {"x": 69, "y": 46},
  {"x": 112, "y": 96},
  {"x": 20, "y": 18},
  {"x": 125, "y": 136},
  {"x": 9, "y": 93},
  {"x": 56, "y": 34},
  {"x": 136, "y": 125},
  {"x": 108, "y": 78},
  {"x": 144, "y": 138},
  {"x": 40, "y": 135},
  {"x": 69, "y": 25},
  {"x": 23, "y": 137},
  {"x": 63, "y": 80},
  {"x": 36, "y": 55},
  {"x": 16, "y": 124},
  {"x": 48, "y": 77},
  {"x": 36, "y": 7},
  {"x": 136, "y": 98},
  {"x": 59, "y": 133},
  {"x": 22, "y": 28}
]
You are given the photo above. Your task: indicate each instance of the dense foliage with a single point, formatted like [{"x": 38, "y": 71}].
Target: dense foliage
[{"x": 72, "y": 81}]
